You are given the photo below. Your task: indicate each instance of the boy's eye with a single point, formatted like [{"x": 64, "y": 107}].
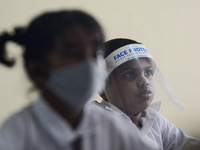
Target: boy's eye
[
  {"x": 148, "y": 73},
  {"x": 130, "y": 75}
]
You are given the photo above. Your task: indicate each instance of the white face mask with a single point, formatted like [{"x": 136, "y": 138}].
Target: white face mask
[{"x": 76, "y": 84}]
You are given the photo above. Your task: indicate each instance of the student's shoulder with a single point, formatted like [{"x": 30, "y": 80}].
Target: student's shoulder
[
  {"x": 111, "y": 122},
  {"x": 97, "y": 110},
  {"x": 119, "y": 132},
  {"x": 18, "y": 119},
  {"x": 13, "y": 132}
]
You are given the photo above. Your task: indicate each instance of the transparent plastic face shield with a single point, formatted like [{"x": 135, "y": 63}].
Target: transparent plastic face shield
[{"x": 138, "y": 56}]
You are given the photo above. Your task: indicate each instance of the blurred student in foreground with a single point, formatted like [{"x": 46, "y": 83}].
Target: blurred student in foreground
[
  {"x": 63, "y": 57},
  {"x": 130, "y": 89}
]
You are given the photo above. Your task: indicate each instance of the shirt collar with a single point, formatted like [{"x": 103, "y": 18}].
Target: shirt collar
[
  {"x": 58, "y": 128},
  {"x": 156, "y": 106},
  {"x": 151, "y": 111}
]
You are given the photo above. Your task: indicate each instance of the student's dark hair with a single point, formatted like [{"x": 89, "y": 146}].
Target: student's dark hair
[
  {"x": 39, "y": 37},
  {"x": 112, "y": 45}
]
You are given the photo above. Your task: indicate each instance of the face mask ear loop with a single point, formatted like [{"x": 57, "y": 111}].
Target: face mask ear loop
[{"x": 102, "y": 64}]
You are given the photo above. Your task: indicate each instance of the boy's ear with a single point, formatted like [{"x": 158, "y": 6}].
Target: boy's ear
[
  {"x": 37, "y": 72},
  {"x": 103, "y": 95}
]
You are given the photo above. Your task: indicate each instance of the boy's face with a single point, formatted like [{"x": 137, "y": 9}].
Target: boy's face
[{"x": 132, "y": 87}]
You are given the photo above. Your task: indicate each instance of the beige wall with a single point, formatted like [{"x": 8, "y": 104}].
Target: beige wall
[{"x": 169, "y": 28}]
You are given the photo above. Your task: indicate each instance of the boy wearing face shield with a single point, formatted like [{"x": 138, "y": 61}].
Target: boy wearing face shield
[
  {"x": 130, "y": 90},
  {"x": 63, "y": 58}
]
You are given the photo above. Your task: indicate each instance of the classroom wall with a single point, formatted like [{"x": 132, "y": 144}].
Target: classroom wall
[{"x": 170, "y": 29}]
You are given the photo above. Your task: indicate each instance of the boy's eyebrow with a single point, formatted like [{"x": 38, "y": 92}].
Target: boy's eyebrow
[
  {"x": 127, "y": 68},
  {"x": 134, "y": 69},
  {"x": 149, "y": 67}
]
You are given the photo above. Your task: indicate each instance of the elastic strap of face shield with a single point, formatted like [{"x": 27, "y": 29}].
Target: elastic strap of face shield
[{"x": 124, "y": 54}]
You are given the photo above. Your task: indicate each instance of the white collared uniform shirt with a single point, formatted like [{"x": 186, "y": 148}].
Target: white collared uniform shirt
[
  {"x": 156, "y": 128},
  {"x": 39, "y": 127}
]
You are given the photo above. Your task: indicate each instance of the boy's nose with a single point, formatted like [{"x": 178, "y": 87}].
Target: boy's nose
[{"x": 142, "y": 82}]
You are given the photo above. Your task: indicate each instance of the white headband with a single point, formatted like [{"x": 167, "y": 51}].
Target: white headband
[{"x": 124, "y": 54}]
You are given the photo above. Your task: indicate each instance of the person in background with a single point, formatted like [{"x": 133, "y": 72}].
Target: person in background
[
  {"x": 63, "y": 57},
  {"x": 130, "y": 89}
]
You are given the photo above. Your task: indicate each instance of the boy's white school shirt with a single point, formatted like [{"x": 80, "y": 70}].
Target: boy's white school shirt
[
  {"x": 40, "y": 127},
  {"x": 156, "y": 128}
]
